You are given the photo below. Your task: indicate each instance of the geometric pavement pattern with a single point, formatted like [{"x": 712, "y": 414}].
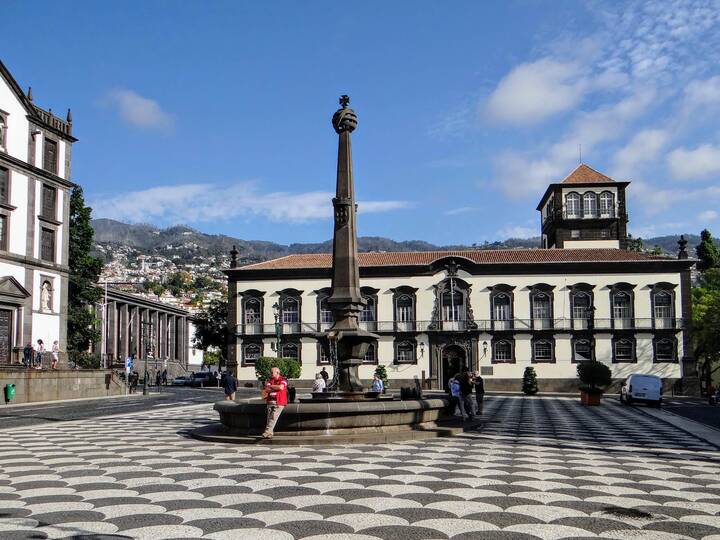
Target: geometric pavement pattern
[{"x": 539, "y": 468}]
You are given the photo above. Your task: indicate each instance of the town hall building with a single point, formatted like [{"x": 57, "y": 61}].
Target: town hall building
[
  {"x": 35, "y": 155},
  {"x": 581, "y": 296}
]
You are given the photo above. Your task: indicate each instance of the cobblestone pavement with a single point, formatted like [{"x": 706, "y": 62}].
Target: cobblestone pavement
[{"x": 541, "y": 468}]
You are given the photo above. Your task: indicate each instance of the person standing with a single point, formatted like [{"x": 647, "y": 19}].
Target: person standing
[
  {"x": 479, "y": 391},
  {"x": 377, "y": 384},
  {"x": 28, "y": 355},
  {"x": 55, "y": 354},
  {"x": 39, "y": 351},
  {"x": 230, "y": 386},
  {"x": 324, "y": 375},
  {"x": 275, "y": 393},
  {"x": 466, "y": 393},
  {"x": 164, "y": 377},
  {"x": 319, "y": 384},
  {"x": 455, "y": 402}
]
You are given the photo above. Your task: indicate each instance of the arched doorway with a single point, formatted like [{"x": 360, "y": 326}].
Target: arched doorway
[{"x": 453, "y": 360}]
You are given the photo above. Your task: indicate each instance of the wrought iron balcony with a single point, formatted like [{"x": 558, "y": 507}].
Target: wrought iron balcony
[{"x": 479, "y": 325}]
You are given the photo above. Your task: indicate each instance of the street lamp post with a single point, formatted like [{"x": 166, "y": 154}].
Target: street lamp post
[{"x": 278, "y": 328}]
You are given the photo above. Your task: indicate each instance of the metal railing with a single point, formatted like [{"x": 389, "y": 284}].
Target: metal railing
[{"x": 488, "y": 325}]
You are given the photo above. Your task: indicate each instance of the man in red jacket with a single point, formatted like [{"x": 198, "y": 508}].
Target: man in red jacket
[{"x": 275, "y": 393}]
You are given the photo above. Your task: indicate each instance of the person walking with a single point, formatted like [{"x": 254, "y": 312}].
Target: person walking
[
  {"x": 324, "y": 374},
  {"x": 164, "y": 377},
  {"x": 230, "y": 386},
  {"x": 39, "y": 351},
  {"x": 135, "y": 378},
  {"x": 55, "y": 355},
  {"x": 479, "y": 391},
  {"x": 275, "y": 393},
  {"x": 28, "y": 355},
  {"x": 454, "y": 387},
  {"x": 319, "y": 384},
  {"x": 377, "y": 384},
  {"x": 158, "y": 379}
]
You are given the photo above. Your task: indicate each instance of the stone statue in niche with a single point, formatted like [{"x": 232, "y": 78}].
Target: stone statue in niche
[{"x": 45, "y": 293}]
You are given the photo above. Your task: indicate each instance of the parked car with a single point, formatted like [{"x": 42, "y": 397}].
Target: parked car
[
  {"x": 642, "y": 389},
  {"x": 202, "y": 379},
  {"x": 181, "y": 381}
]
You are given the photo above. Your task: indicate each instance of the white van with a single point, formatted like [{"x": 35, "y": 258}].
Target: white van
[{"x": 642, "y": 388}]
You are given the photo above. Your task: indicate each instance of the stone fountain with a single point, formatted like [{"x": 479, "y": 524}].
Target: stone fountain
[{"x": 346, "y": 412}]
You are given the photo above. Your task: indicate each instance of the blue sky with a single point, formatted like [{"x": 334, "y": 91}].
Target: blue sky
[{"x": 217, "y": 114}]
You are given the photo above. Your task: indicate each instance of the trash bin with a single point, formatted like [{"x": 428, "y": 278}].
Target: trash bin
[{"x": 9, "y": 392}]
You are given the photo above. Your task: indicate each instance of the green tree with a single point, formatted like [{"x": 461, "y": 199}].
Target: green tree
[
  {"x": 381, "y": 372},
  {"x": 529, "y": 383},
  {"x": 705, "y": 324},
  {"x": 211, "y": 328},
  {"x": 634, "y": 244},
  {"x": 83, "y": 292},
  {"x": 707, "y": 252}
]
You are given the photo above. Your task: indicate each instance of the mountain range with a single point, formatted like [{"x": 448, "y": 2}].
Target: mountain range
[{"x": 190, "y": 243}]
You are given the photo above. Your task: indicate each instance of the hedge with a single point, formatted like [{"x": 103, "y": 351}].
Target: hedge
[{"x": 289, "y": 367}]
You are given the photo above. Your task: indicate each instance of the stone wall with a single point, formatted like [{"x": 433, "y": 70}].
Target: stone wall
[{"x": 32, "y": 385}]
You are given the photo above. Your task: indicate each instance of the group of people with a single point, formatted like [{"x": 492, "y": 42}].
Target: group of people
[
  {"x": 33, "y": 356},
  {"x": 461, "y": 387}
]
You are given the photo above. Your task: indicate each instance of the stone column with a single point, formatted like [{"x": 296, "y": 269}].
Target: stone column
[
  {"x": 171, "y": 341},
  {"x": 124, "y": 338},
  {"x": 111, "y": 332}
]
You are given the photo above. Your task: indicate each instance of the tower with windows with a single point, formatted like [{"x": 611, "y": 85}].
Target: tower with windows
[{"x": 586, "y": 210}]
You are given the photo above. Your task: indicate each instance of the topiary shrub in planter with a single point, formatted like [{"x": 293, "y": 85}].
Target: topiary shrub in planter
[
  {"x": 529, "y": 384},
  {"x": 289, "y": 368},
  {"x": 594, "y": 378}
]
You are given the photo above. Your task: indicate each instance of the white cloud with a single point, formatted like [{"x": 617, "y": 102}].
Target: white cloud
[
  {"x": 139, "y": 111},
  {"x": 534, "y": 91},
  {"x": 708, "y": 215},
  {"x": 701, "y": 93},
  {"x": 460, "y": 210},
  {"x": 196, "y": 203},
  {"x": 657, "y": 200},
  {"x": 643, "y": 147},
  {"x": 517, "y": 231},
  {"x": 702, "y": 162}
]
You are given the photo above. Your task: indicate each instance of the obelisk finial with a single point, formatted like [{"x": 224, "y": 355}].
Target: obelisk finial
[
  {"x": 344, "y": 101},
  {"x": 344, "y": 119}
]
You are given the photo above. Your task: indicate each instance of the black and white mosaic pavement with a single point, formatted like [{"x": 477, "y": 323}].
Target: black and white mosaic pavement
[{"x": 540, "y": 468}]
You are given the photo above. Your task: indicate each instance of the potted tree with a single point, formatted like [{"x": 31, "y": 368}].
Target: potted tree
[
  {"x": 529, "y": 383},
  {"x": 289, "y": 368},
  {"x": 594, "y": 378}
]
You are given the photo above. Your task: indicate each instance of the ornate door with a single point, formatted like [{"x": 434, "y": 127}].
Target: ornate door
[{"x": 5, "y": 335}]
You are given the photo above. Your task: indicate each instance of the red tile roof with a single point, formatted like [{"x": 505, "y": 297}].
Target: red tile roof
[
  {"x": 585, "y": 175},
  {"x": 425, "y": 258}
]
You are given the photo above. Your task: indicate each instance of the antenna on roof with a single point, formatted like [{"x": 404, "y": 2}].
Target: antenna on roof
[{"x": 580, "y": 154}]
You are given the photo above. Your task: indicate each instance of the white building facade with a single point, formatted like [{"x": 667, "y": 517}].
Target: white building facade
[
  {"x": 494, "y": 311},
  {"x": 35, "y": 156}
]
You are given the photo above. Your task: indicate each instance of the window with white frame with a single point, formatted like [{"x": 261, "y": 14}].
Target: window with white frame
[
  {"x": 543, "y": 350},
  {"x": 624, "y": 350},
  {"x": 290, "y": 310},
  {"x": 405, "y": 352},
  {"x": 371, "y": 355},
  {"x": 607, "y": 204},
  {"x": 368, "y": 311},
  {"x": 663, "y": 305},
  {"x": 501, "y": 307},
  {"x": 582, "y": 350},
  {"x": 453, "y": 308},
  {"x": 253, "y": 313},
  {"x": 580, "y": 305},
  {"x": 502, "y": 351},
  {"x": 665, "y": 350},
  {"x": 572, "y": 205},
  {"x": 541, "y": 306},
  {"x": 404, "y": 308},
  {"x": 575, "y": 234},
  {"x": 590, "y": 204},
  {"x": 251, "y": 352},
  {"x": 326, "y": 314},
  {"x": 323, "y": 357},
  {"x": 290, "y": 350},
  {"x": 621, "y": 305}
]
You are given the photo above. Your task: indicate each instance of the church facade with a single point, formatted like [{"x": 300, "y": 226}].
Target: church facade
[
  {"x": 35, "y": 156},
  {"x": 580, "y": 297}
]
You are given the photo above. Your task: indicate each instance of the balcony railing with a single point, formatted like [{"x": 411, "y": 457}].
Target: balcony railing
[{"x": 482, "y": 325}]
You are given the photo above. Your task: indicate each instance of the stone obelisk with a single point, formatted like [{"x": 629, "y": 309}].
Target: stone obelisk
[{"x": 345, "y": 300}]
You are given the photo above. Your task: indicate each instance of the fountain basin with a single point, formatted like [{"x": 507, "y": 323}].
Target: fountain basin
[{"x": 319, "y": 422}]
